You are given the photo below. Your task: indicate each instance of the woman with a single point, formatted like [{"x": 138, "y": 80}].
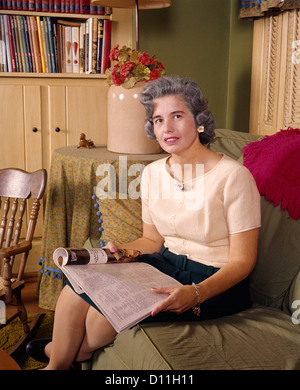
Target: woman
[{"x": 200, "y": 226}]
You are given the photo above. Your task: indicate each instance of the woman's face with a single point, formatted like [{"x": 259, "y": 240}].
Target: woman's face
[{"x": 174, "y": 124}]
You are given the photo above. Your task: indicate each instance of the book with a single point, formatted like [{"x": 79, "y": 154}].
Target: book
[
  {"x": 39, "y": 29},
  {"x": 45, "y": 5},
  {"x": 99, "y": 46},
  {"x": 121, "y": 290},
  {"x": 3, "y": 46},
  {"x": 17, "y": 43},
  {"x": 11, "y": 45},
  {"x": 51, "y": 44},
  {"x": 1, "y": 50},
  {"x": 45, "y": 46},
  {"x": 7, "y": 45},
  {"x": 88, "y": 45},
  {"x": 31, "y": 5},
  {"x": 28, "y": 48},
  {"x": 68, "y": 49},
  {"x": 81, "y": 48},
  {"x": 94, "y": 44},
  {"x": 106, "y": 45},
  {"x": 38, "y": 5},
  {"x": 20, "y": 40},
  {"x": 24, "y": 45},
  {"x": 75, "y": 49},
  {"x": 33, "y": 63},
  {"x": 36, "y": 46},
  {"x": 57, "y": 6},
  {"x": 84, "y": 6}
]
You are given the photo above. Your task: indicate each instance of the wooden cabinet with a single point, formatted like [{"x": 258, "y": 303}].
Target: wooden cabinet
[
  {"x": 38, "y": 115},
  {"x": 275, "y": 89},
  {"x": 40, "y": 112}
]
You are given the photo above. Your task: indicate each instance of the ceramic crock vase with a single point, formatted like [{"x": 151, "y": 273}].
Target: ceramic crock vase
[{"x": 126, "y": 120}]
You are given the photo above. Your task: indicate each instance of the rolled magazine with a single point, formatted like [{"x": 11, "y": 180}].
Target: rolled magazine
[{"x": 73, "y": 256}]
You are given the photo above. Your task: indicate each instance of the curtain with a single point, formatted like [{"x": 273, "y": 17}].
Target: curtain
[{"x": 260, "y": 8}]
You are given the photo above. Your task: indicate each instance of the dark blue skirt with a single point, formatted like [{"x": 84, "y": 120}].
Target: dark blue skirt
[{"x": 187, "y": 271}]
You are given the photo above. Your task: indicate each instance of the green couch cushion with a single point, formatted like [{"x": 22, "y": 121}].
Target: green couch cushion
[
  {"x": 231, "y": 142},
  {"x": 258, "y": 338},
  {"x": 278, "y": 260},
  {"x": 131, "y": 350}
]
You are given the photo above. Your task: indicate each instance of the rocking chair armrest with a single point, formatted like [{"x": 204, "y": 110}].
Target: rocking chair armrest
[{"x": 15, "y": 249}]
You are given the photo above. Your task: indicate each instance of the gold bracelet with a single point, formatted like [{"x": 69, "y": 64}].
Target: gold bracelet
[{"x": 196, "y": 309}]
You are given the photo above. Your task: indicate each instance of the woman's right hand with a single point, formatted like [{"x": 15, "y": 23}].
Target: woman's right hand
[{"x": 112, "y": 246}]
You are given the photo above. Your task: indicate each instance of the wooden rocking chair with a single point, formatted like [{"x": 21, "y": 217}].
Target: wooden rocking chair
[{"x": 16, "y": 187}]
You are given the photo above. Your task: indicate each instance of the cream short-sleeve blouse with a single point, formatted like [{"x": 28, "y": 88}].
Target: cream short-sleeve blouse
[{"x": 197, "y": 221}]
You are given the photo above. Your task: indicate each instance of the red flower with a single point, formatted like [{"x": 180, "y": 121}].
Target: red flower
[
  {"x": 116, "y": 79},
  {"x": 114, "y": 53},
  {"x": 145, "y": 60},
  {"x": 159, "y": 65},
  {"x": 154, "y": 74},
  {"x": 126, "y": 68}
]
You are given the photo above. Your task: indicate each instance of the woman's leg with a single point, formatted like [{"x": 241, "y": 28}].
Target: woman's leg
[
  {"x": 68, "y": 330},
  {"x": 79, "y": 329},
  {"x": 99, "y": 333}
]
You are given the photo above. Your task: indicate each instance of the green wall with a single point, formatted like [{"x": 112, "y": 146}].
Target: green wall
[{"x": 205, "y": 41}]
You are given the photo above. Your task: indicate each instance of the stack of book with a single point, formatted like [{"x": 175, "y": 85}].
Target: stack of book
[
  {"x": 49, "y": 45},
  {"x": 63, "y": 6}
]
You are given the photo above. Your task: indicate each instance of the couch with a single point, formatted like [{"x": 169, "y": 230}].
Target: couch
[{"x": 264, "y": 337}]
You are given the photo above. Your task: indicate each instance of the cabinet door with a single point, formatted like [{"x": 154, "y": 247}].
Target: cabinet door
[
  {"x": 12, "y": 150},
  {"x": 33, "y": 139},
  {"x": 33, "y": 128},
  {"x": 86, "y": 113},
  {"x": 57, "y": 117}
]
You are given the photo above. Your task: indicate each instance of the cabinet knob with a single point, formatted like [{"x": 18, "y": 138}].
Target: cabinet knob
[
  {"x": 57, "y": 129},
  {"x": 34, "y": 129}
]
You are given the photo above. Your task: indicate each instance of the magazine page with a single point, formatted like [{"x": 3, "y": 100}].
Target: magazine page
[{"x": 122, "y": 292}]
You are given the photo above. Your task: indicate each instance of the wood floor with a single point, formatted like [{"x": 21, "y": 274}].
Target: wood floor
[{"x": 29, "y": 296}]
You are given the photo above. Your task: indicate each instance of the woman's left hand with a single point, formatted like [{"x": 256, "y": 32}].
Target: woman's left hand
[{"x": 180, "y": 299}]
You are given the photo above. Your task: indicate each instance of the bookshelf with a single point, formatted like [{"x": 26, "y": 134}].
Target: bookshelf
[{"x": 116, "y": 27}]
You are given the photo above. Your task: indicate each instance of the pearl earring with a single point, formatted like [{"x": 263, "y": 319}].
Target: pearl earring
[{"x": 200, "y": 129}]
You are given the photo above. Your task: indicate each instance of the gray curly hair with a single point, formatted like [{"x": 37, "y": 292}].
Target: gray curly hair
[{"x": 191, "y": 94}]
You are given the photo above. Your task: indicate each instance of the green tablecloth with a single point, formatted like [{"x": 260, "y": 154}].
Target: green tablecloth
[{"x": 70, "y": 214}]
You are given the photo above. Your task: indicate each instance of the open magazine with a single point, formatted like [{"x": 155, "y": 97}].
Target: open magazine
[{"x": 120, "y": 288}]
